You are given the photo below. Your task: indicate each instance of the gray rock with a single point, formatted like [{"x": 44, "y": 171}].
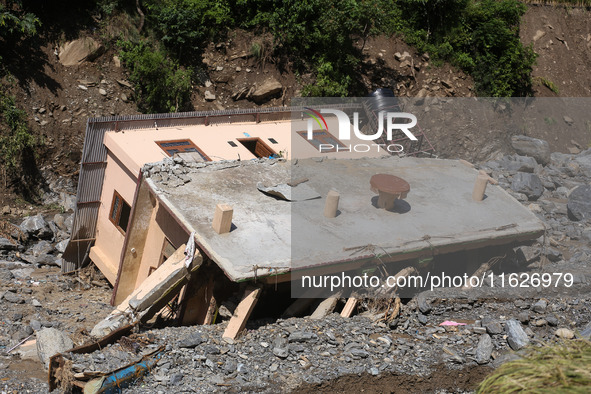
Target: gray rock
[
  {"x": 8, "y": 244},
  {"x": 280, "y": 347},
  {"x": 13, "y": 298},
  {"x": 526, "y": 254},
  {"x": 41, "y": 248},
  {"x": 59, "y": 220},
  {"x": 176, "y": 378},
  {"x": 195, "y": 339},
  {"x": 51, "y": 341},
  {"x": 579, "y": 203},
  {"x": 23, "y": 273},
  {"x": 533, "y": 147},
  {"x": 516, "y": 337},
  {"x": 484, "y": 349},
  {"x": 586, "y": 332},
  {"x": 61, "y": 246},
  {"x": 35, "y": 325},
  {"x": 540, "y": 306},
  {"x": 5, "y": 276},
  {"x": 281, "y": 352},
  {"x": 528, "y": 184},
  {"x": 519, "y": 163},
  {"x": 523, "y": 317},
  {"x": 553, "y": 321},
  {"x": 36, "y": 226},
  {"x": 493, "y": 327},
  {"x": 302, "y": 336},
  {"x": 553, "y": 255},
  {"x": 583, "y": 159},
  {"x": 423, "y": 304},
  {"x": 422, "y": 319},
  {"x": 359, "y": 353}
]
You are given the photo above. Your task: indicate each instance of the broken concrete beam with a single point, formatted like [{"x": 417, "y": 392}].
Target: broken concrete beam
[
  {"x": 166, "y": 281},
  {"x": 242, "y": 312},
  {"x": 222, "y": 218}
]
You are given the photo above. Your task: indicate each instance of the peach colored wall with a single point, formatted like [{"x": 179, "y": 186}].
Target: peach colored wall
[
  {"x": 161, "y": 225},
  {"x": 137, "y": 147},
  {"x": 109, "y": 240}
]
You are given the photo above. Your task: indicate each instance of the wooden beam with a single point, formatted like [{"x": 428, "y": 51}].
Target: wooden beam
[
  {"x": 222, "y": 218},
  {"x": 349, "y": 307},
  {"x": 242, "y": 312}
]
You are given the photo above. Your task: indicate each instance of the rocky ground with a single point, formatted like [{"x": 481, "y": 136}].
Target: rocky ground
[{"x": 414, "y": 352}]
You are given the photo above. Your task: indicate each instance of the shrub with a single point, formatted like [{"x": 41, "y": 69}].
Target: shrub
[
  {"x": 161, "y": 85},
  {"x": 15, "y": 136},
  {"x": 184, "y": 26},
  {"x": 480, "y": 37},
  {"x": 563, "y": 367}
]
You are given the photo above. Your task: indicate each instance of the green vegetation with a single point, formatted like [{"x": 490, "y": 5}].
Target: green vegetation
[
  {"x": 15, "y": 23},
  {"x": 564, "y": 367},
  {"x": 161, "y": 84},
  {"x": 481, "y": 37},
  {"x": 185, "y": 26},
  {"x": 547, "y": 83},
  {"x": 324, "y": 37},
  {"x": 15, "y": 137},
  {"x": 549, "y": 120}
]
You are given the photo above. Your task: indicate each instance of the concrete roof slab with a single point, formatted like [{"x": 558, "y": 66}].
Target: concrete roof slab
[{"x": 271, "y": 235}]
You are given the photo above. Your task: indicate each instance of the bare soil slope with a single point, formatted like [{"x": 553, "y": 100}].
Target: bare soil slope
[{"x": 561, "y": 37}]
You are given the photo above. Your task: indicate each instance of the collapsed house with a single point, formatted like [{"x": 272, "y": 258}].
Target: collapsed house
[
  {"x": 116, "y": 148},
  {"x": 192, "y": 214}
]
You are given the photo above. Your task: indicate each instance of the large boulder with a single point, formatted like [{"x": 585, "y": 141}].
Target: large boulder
[
  {"x": 532, "y": 147},
  {"x": 41, "y": 248},
  {"x": 8, "y": 244},
  {"x": 72, "y": 53},
  {"x": 519, "y": 163},
  {"x": 579, "y": 203},
  {"x": 51, "y": 341},
  {"x": 583, "y": 159},
  {"x": 528, "y": 184},
  {"x": 266, "y": 90},
  {"x": 36, "y": 226}
]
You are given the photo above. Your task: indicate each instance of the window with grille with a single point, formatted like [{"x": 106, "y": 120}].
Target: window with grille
[
  {"x": 180, "y": 146},
  {"x": 120, "y": 211}
]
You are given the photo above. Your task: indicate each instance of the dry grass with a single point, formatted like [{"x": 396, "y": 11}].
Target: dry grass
[
  {"x": 65, "y": 377},
  {"x": 564, "y": 367},
  {"x": 7, "y": 229}
]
